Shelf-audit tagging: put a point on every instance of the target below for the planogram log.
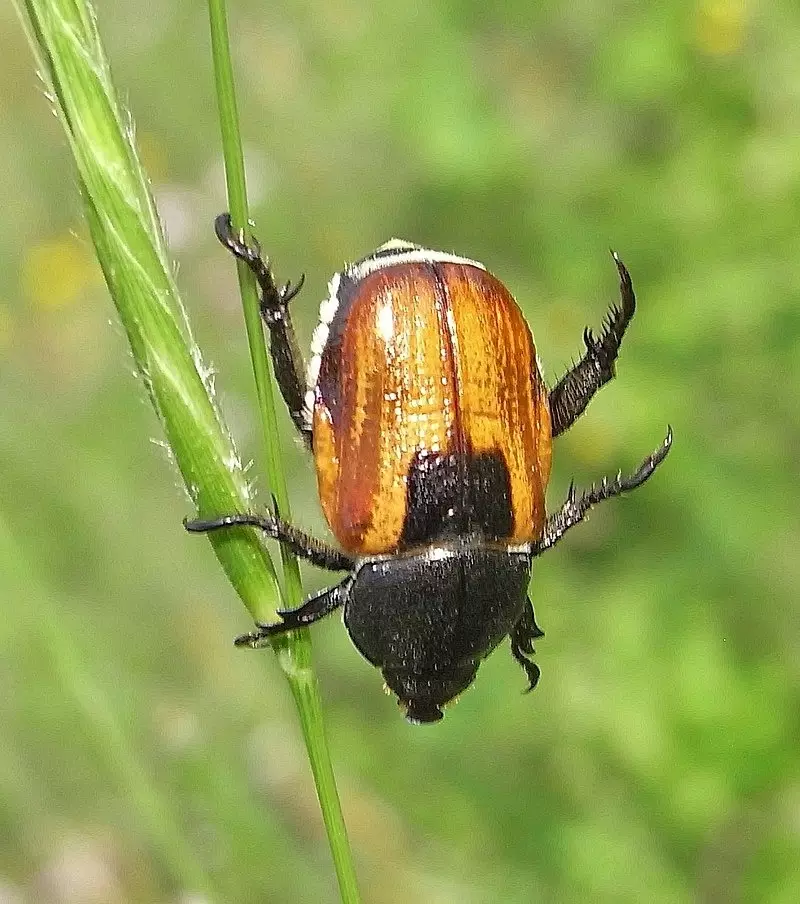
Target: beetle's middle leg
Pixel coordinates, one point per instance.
(287, 360)
(573, 392)
(575, 509)
(319, 553)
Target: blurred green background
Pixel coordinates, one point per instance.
(659, 758)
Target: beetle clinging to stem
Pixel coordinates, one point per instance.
(431, 429)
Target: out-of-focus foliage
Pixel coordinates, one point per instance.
(658, 759)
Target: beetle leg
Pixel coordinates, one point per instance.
(312, 610)
(287, 359)
(574, 510)
(302, 544)
(573, 392)
(523, 634)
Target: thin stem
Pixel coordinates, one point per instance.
(294, 651)
(305, 690)
(240, 217)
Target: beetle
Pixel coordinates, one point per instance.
(431, 429)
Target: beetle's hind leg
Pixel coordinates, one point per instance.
(523, 634)
(573, 392)
(312, 610)
(287, 360)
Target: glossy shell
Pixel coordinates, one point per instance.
(430, 415)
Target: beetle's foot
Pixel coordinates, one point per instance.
(524, 633)
(532, 670)
(274, 298)
(250, 252)
(254, 640)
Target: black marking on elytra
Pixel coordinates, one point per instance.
(451, 494)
